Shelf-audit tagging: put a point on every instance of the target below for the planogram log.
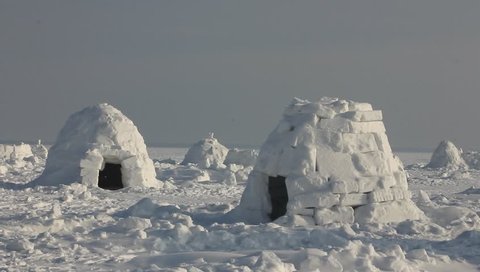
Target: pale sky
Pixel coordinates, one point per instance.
(180, 69)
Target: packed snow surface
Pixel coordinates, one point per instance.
(185, 226)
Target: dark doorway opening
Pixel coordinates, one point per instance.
(110, 177)
(278, 196)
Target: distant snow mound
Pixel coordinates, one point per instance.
(96, 142)
(15, 152)
(206, 153)
(472, 159)
(447, 155)
(328, 162)
(39, 150)
(246, 157)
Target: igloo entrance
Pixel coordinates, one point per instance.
(278, 196)
(110, 178)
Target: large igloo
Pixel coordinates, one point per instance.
(99, 146)
(328, 162)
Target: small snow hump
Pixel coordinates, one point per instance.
(207, 153)
(447, 155)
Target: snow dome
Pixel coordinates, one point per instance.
(99, 146)
(328, 162)
(206, 153)
(447, 155)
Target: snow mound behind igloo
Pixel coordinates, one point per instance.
(329, 162)
(207, 153)
(447, 155)
(15, 152)
(92, 139)
(246, 157)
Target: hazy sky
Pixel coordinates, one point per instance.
(180, 69)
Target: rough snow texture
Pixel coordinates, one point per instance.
(15, 152)
(206, 153)
(187, 228)
(92, 137)
(447, 155)
(335, 156)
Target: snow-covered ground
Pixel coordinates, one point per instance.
(186, 226)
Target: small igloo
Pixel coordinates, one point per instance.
(206, 153)
(447, 155)
(99, 146)
(328, 162)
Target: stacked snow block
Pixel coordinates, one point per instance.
(338, 165)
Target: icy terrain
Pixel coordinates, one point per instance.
(185, 226)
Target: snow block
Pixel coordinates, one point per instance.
(92, 162)
(368, 127)
(382, 142)
(355, 199)
(340, 124)
(357, 106)
(393, 211)
(401, 180)
(297, 185)
(372, 164)
(363, 116)
(312, 200)
(368, 184)
(343, 214)
(333, 140)
(343, 186)
(386, 182)
(359, 143)
(388, 195)
(328, 164)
